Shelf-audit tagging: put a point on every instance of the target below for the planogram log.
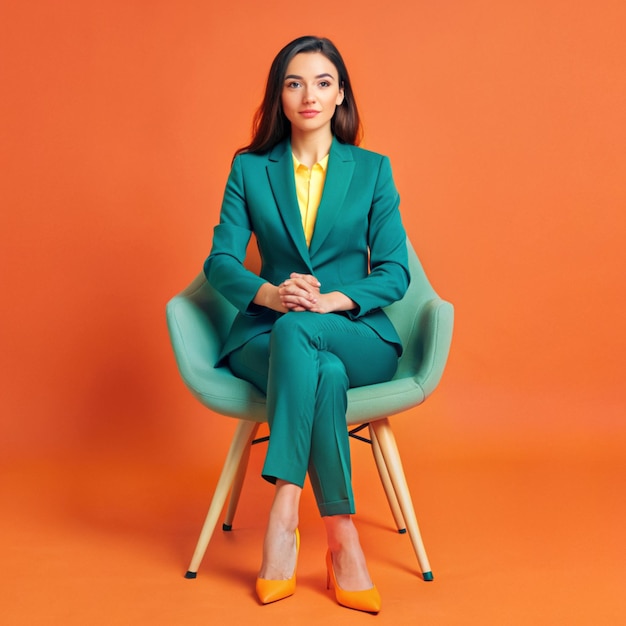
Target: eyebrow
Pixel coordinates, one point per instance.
(302, 78)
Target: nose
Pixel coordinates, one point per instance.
(308, 95)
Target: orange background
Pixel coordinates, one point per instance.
(504, 122)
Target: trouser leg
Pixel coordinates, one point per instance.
(330, 468)
(306, 366)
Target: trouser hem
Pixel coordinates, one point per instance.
(294, 477)
(339, 507)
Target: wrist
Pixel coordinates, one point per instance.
(338, 301)
(267, 296)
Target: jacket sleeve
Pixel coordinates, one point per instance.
(224, 267)
(389, 275)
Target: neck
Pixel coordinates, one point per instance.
(310, 148)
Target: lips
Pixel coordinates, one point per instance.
(309, 113)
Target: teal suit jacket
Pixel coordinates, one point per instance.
(358, 245)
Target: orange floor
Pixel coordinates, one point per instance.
(521, 527)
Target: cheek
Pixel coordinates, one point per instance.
(288, 103)
(333, 99)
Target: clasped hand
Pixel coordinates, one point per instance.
(301, 292)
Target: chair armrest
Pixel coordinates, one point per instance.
(435, 330)
(195, 340)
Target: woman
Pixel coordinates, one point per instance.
(310, 325)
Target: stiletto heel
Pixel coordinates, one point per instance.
(367, 600)
(269, 590)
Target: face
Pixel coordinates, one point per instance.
(311, 91)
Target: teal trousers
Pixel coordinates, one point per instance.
(305, 366)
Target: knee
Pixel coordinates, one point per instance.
(332, 372)
(292, 327)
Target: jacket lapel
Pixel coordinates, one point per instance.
(338, 177)
(281, 177)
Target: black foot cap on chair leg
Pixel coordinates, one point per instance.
(191, 574)
(227, 527)
(428, 576)
(402, 531)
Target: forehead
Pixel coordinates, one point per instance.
(312, 64)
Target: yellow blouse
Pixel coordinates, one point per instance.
(309, 187)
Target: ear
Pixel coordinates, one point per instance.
(340, 96)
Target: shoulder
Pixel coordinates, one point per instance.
(369, 165)
(251, 159)
(249, 165)
(360, 155)
(261, 158)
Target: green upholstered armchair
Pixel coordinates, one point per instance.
(198, 320)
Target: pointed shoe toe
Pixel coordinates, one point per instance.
(269, 591)
(367, 600)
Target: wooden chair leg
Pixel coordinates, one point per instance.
(240, 443)
(389, 450)
(383, 472)
(238, 483)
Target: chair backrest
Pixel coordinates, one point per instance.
(219, 311)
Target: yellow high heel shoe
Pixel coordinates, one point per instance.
(269, 590)
(367, 600)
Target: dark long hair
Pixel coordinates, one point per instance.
(270, 125)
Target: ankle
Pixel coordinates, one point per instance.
(280, 551)
(350, 569)
(341, 533)
(283, 521)
(284, 512)
(347, 554)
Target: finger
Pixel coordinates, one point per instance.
(303, 288)
(297, 302)
(298, 289)
(308, 278)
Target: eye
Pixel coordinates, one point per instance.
(292, 84)
(324, 83)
